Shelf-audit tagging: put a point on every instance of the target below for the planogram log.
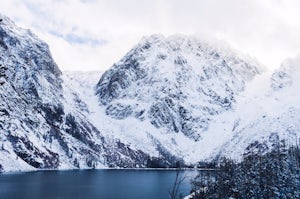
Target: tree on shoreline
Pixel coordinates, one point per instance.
(179, 179)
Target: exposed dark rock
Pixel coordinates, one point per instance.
(53, 114)
(119, 111)
(27, 151)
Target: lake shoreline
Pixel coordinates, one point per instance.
(96, 169)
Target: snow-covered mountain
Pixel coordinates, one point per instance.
(178, 83)
(169, 101)
(38, 127)
(155, 103)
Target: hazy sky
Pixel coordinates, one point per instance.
(93, 34)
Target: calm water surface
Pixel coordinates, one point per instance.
(92, 184)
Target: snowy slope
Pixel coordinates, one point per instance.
(137, 135)
(266, 112)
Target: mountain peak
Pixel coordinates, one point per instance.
(164, 77)
(26, 46)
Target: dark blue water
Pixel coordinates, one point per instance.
(92, 184)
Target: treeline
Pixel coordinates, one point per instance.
(275, 174)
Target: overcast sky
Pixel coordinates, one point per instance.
(93, 34)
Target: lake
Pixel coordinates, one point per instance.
(93, 184)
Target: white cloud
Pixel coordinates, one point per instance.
(268, 30)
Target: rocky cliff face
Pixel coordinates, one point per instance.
(29, 97)
(178, 83)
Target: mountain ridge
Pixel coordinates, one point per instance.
(169, 101)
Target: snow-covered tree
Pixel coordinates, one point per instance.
(275, 174)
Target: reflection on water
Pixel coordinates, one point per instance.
(92, 184)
